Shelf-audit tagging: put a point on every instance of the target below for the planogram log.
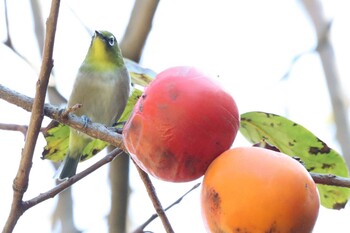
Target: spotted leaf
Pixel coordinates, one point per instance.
(296, 141)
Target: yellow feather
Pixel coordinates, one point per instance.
(99, 57)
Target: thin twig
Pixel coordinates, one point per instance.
(8, 40)
(329, 179)
(154, 216)
(132, 44)
(13, 127)
(153, 196)
(20, 184)
(138, 29)
(327, 58)
(69, 182)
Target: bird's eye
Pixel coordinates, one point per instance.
(111, 40)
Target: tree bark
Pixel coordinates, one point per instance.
(326, 53)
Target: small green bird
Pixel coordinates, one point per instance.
(102, 86)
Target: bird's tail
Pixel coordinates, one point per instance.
(68, 167)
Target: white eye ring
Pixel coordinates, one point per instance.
(111, 41)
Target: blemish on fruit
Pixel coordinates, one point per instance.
(141, 107)
(240, 230)
(173, 92)
(214, 200)
(272, 228)
(190, 164)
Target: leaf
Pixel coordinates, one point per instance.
(295, 140)
(57, 137)
(57, 134)
(130, 105)
(139, 75)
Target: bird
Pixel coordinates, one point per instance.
(102, 88)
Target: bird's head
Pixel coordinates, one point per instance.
(104, 52)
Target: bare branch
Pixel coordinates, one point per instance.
(328, 179)
(326, 52)
(132, 44)
(20, 183)
(38, 25)
(69, 182)
(154, 216)
(95, 130)
(139, 26)
(153, 196)
(8, 40)
(13, 127)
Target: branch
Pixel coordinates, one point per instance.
(329, 179)
(154, 216)
(95, 130)
(139, 26)
(20, 184)
(38, 25)
(153, 196)
(132, 45)
(8, 40)
(326, 53)
(69, 182)
(13, 127)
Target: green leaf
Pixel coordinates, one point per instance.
(130, 105)
(295, 140)
(57, 134)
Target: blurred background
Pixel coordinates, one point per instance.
(286, 57)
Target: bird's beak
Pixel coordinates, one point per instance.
(97, 34)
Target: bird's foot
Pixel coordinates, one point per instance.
(86, 120)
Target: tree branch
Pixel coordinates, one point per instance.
(69, 182)
(132, 45)
(20, 184)
(92, 129)
(329, 179)
(95, 130)
(13, 127)
(326, 53)
(138, 28)
(154, 216)
(153, 196)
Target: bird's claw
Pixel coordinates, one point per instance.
(86, 120)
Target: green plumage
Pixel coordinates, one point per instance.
(102, 86)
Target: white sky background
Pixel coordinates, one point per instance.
(248, 44)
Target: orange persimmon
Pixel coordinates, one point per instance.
(250, 189)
